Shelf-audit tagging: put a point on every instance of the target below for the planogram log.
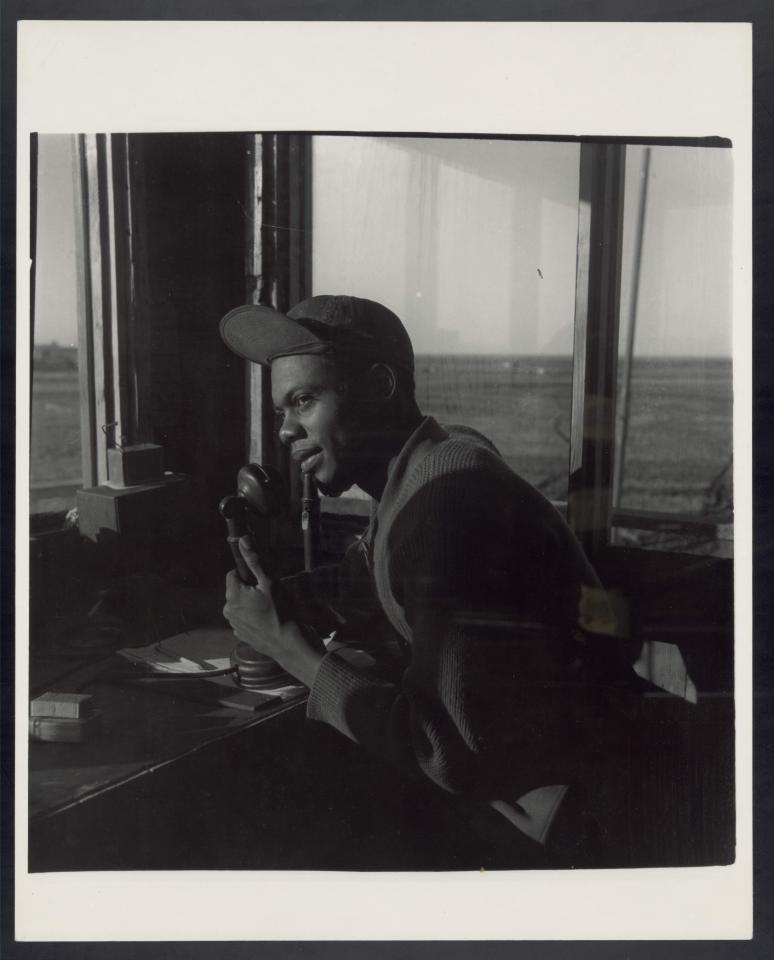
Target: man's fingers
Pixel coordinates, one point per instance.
(251, 559)
(232, 584)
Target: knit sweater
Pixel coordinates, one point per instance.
(477, 577)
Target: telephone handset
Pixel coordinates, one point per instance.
(260, 500)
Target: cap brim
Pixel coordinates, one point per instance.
(261, 333)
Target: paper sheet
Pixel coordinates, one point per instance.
(203, 651)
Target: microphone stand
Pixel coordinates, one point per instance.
(310, 521)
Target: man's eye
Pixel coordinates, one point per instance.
(303, 402)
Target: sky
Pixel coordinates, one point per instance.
(472, 243)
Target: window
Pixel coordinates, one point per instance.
(55, 454)
(85, 397)
(125, 263)
(673, 461)
(473, 244)
(567, 301)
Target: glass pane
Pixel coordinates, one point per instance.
(674, 430)
(55, 462)
(473, 244)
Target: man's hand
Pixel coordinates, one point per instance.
(253, 617)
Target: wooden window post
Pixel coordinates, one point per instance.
(598, 284)
(279, 257)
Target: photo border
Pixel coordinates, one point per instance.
(5, 434)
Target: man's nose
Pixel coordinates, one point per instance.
(290, 430)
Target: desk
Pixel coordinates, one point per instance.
(171, 783)
(142, 729)
(152, 785)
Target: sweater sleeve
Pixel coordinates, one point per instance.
(476, 570)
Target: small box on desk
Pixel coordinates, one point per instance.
(65, 706)
(139, 463)
(63, 717)
(139, 512)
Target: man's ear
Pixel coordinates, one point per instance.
(381, 382)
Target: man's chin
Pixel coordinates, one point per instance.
(330, 489)
(334, 486)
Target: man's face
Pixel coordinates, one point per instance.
(317, 420)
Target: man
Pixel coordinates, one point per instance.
(460, 657)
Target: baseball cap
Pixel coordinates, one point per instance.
(352, 326)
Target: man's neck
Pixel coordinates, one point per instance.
(374, 476)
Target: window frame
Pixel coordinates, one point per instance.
(595, 513)
(129, 384)
(110, 359)
(113, 334)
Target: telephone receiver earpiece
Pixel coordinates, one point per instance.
(261, 497)
(263, 490)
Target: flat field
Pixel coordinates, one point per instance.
(679, 445)
(55, 438)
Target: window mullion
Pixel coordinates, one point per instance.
(279, 262)
(598, 283)
(90, 350)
